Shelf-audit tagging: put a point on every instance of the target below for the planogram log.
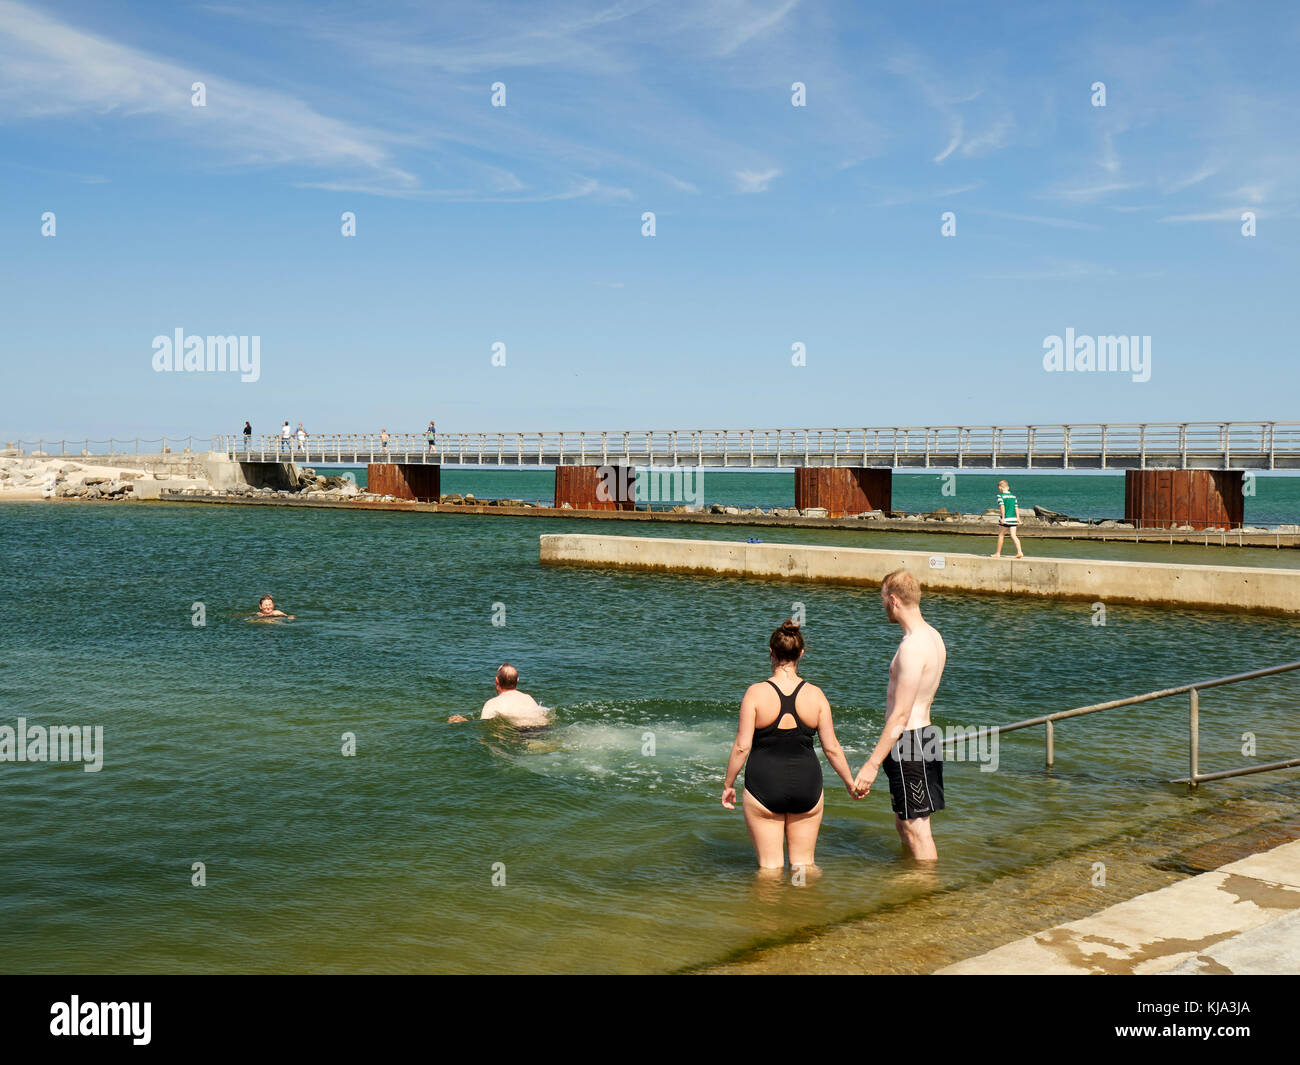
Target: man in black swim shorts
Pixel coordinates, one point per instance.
(915, 771)
(909, 746)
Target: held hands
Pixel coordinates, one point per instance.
(729, 798)
(861, 786)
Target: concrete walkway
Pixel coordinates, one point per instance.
(1089, 579)
(1243, 918)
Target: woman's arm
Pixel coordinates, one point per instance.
(831, 746)
(739, 749)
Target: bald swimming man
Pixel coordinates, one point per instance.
(510, 704)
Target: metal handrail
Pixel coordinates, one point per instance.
(1262, 445)
(1107, 445)
(1194, 776)
(85, 446)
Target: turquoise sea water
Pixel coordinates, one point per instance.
(222, 743)
(1276, 498)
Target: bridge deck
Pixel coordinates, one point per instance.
(1192, 445)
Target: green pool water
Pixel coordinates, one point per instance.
(222, 744)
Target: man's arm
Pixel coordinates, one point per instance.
(907, 683)
(484, 714)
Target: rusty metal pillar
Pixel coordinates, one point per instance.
(405, 480)
(1203, 499)
(843, 489)
(596, 487)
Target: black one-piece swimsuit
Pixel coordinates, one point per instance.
(783, 771)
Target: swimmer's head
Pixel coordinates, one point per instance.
(266, 604)
(786, 644)
(507, 677)
(898, 591)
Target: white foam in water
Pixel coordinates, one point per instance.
(684, 756)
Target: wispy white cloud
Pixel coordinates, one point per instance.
(1038, 220)
(755, 180)
(996, 137)
(1057, 270)
(49, 70)
(587, 188)
(1254, 193)
(1229, 214)
(741, 24)
(1194, 178)
(1090, 193)
(954, 141)
(901, 199)
(1109, 158)
(993, 133)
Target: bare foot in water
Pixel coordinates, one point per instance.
(800, 874)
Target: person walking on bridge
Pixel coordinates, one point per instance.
(431, 436)
(248, 437)
(286, 438)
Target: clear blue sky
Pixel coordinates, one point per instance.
(522, 224)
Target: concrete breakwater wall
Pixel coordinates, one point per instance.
(1273, 591)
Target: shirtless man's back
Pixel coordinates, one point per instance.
(921, 653)
(510, 704)
(910, 748)
(518, 708)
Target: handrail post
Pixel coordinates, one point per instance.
(1194, 736)
(1051, 744)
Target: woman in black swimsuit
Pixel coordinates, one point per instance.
(783, 778)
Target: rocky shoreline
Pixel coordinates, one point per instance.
(315, 488)
(38, 476)
(34, 476)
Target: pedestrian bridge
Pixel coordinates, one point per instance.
(1117, 446)
(1185, 474)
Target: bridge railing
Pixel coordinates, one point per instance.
(1131, 443)
(137, 445)
(1184, 441)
